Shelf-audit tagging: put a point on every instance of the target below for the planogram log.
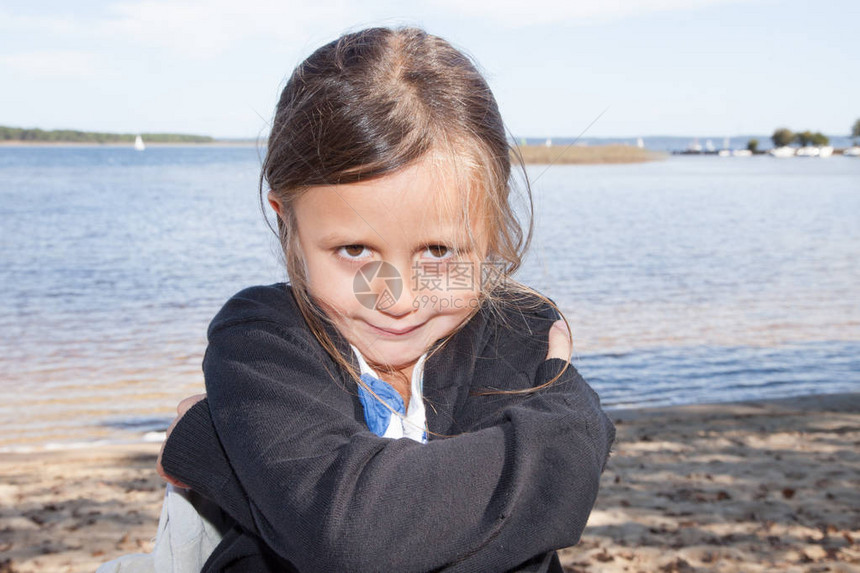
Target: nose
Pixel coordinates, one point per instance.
(394, 291)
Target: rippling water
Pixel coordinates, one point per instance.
(688, 280)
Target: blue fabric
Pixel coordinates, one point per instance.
(376, 414)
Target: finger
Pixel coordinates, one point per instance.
(560, 344)
(187, 403)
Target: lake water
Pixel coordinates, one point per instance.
(688, 280)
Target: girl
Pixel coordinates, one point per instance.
(402, 404)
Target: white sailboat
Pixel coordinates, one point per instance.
(139, 144)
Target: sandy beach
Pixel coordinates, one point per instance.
(586, 154)
(753, 486)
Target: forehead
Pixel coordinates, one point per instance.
(424, 201)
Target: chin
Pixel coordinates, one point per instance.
(396, 358)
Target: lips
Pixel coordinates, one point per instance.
(395, 331)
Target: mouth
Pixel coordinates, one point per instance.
(395, 332)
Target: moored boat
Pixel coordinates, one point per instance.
(807, 151)
(783, 151)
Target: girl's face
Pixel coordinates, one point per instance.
(393, 272)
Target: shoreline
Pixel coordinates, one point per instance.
(84, 144)
(531, 154)
(769, 485)
(155, 435)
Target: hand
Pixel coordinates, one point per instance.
(183, 407)
(560, 344)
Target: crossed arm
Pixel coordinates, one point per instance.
(293, 465)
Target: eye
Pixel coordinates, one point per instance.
(439, 252)
(353, 252)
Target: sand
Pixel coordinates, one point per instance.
(586, 154)
(72, 510)
(755, 486)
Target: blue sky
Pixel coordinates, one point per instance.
(658, 67)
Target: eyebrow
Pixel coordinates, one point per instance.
(339, 238)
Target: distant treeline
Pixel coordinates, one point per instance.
(72, 136)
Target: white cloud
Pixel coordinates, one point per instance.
(11, 22)
(66, 64)
(516, 13)
(206, 29)
(193, 29)
(203, 29)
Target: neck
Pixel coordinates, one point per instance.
(400, 380)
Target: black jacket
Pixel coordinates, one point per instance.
(283, 449)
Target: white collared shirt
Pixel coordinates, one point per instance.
(414, 424)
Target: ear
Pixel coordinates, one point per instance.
(276, 204)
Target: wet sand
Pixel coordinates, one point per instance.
(754, 486)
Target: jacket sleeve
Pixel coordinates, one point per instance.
(485, 408)
(194, 451)
(327, 494)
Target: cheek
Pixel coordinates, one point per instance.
(453, 305)
(468, 302)
(453, 278)
(330, 284)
